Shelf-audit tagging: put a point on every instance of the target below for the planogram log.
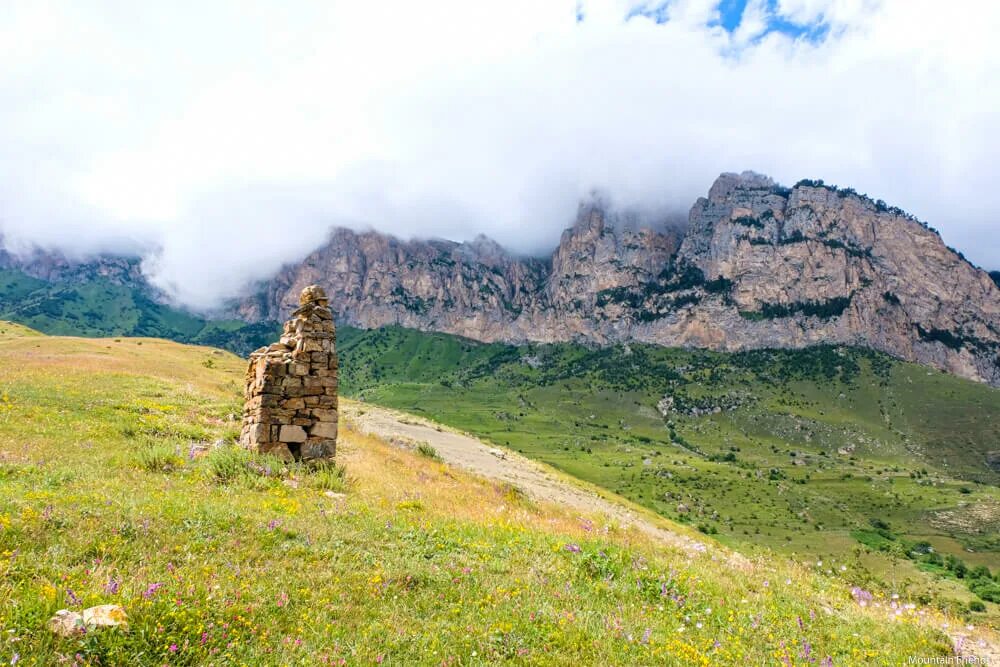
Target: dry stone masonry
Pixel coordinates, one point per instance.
(291, 386)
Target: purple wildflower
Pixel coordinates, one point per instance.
(72, 597)
(827, 662)
(786, 659)
(645, 635)
(111, 588)
(861, 596)
(151, 590)
(272, 524)
(573, 548)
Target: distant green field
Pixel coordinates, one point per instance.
(799, 451)
(101, 308)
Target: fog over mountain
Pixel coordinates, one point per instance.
(225, 142)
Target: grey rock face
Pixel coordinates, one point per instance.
(56, 267)
(759, 266)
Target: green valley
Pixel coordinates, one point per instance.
(840, 455)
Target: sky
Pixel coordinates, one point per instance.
(223, 139)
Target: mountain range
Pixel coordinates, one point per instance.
(758, 265)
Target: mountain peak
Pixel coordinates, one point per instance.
(759, 266)
(728, 182)
(485, 250)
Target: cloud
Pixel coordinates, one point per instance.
(233, 135)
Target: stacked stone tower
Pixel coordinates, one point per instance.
(291, 386)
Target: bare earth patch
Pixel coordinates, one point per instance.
(503, 465)
(979, 516)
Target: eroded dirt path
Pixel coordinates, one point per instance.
(504, 465)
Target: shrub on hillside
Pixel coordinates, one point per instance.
(159, 458)
(986, 590)
(328, 477)
(235, 464)
(425, 449)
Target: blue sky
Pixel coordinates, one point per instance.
(729, 14)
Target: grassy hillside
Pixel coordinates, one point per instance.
(101, 308)
(843, 455)
(106, 496)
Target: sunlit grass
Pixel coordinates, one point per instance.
(119, 484)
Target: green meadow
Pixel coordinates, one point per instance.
(119, 485)
(835, 455)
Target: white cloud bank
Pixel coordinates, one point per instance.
(232, 135)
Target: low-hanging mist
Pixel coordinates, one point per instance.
(226, 144)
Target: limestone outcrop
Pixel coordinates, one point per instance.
(291, 386)
(759, 266)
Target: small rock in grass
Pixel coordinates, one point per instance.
(68, 623)
(105, 615)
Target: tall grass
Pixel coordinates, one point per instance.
(159, 457)
(426, 450)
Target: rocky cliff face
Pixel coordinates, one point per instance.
(815, 264)
(759, 266)
(56, 267)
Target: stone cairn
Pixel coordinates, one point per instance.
(291, 386)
